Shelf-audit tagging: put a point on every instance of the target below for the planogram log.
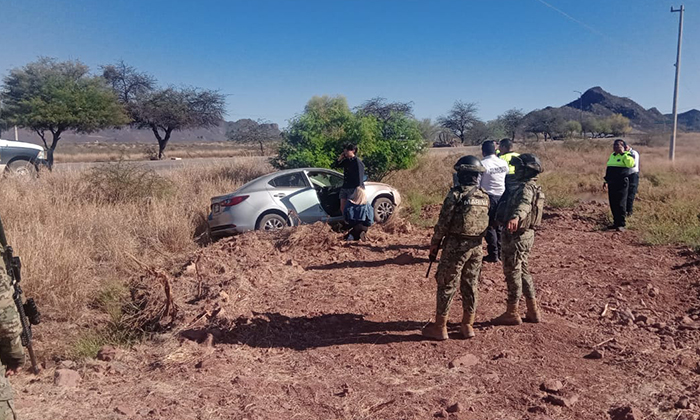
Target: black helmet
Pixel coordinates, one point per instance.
(469, 163)
(528, 160)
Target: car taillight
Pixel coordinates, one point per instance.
(233, 201)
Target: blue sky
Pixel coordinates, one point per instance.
(269, 57)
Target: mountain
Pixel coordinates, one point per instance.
(689, 120)
(133, 135)
(600, 103)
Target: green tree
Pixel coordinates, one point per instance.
(497, 129)
(460, 119)
(55, 97)
(619, 125)
(429, 130)
(572, 127)
(166, 110)
(547, 122)
(511, 121)
(317, 136)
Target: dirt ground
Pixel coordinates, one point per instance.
(302, 325)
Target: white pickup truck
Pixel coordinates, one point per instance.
(20, 158)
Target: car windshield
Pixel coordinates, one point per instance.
(325, 179)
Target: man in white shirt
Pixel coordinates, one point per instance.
(634, 180)
(493, 181)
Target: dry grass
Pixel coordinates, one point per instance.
(81, 234)
(77, 242)
(668, 202)
(112, 152)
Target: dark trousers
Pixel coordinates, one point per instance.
(617, 194)
(632, 192)
(493, 233)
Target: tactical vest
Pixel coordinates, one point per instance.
(506, 204)
(471, 214)
(534, 218)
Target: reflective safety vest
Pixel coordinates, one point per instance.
(623, 160)
(507, 157)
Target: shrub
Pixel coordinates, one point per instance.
(123, 182)
(317, 137)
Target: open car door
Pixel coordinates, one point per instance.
(327, 185)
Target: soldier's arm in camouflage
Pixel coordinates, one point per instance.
(445, 217)
(11, 350)
(522, 203)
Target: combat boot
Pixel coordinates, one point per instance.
(533, 311)
(510, 317)
(467, 327)
(436, 330)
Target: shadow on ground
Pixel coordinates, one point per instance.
(403, 259)
(302, 333)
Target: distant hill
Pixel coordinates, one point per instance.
(132, 135)
(600, 103)
(689, 120)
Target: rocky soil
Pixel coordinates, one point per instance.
(303, 325)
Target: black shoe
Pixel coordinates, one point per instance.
(491, 259)
(620, 229)
(362, 236)
(611, 227)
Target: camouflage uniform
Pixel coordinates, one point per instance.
(11, 351)
(463, 221)
(517, 245)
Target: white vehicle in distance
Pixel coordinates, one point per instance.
(290, 197)
(21, 159)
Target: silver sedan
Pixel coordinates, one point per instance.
(292, 197)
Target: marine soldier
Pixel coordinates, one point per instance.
(463, 221)
(11, 350)
(520, 212)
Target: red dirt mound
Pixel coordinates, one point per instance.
(304, 325)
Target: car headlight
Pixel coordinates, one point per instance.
(41, 155)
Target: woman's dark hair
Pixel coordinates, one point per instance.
(624, 144)
(350, 147)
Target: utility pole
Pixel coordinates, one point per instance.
(580, 107)
(672, 147)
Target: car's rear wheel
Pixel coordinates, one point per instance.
(20, 169)
(383, 209)
(272, 222)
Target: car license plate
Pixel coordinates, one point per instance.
(215, 208)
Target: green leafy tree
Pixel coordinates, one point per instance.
(429, 130)
(460, 119)
(619, 125)
(163, 110)
(171, 109)
(386, 142)
(48, 96)
(573, 127)
(497, 129)
(546, 122)
(511, 120)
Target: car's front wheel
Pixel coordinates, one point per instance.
(272, 222)
(20, 169)
(383, 209)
